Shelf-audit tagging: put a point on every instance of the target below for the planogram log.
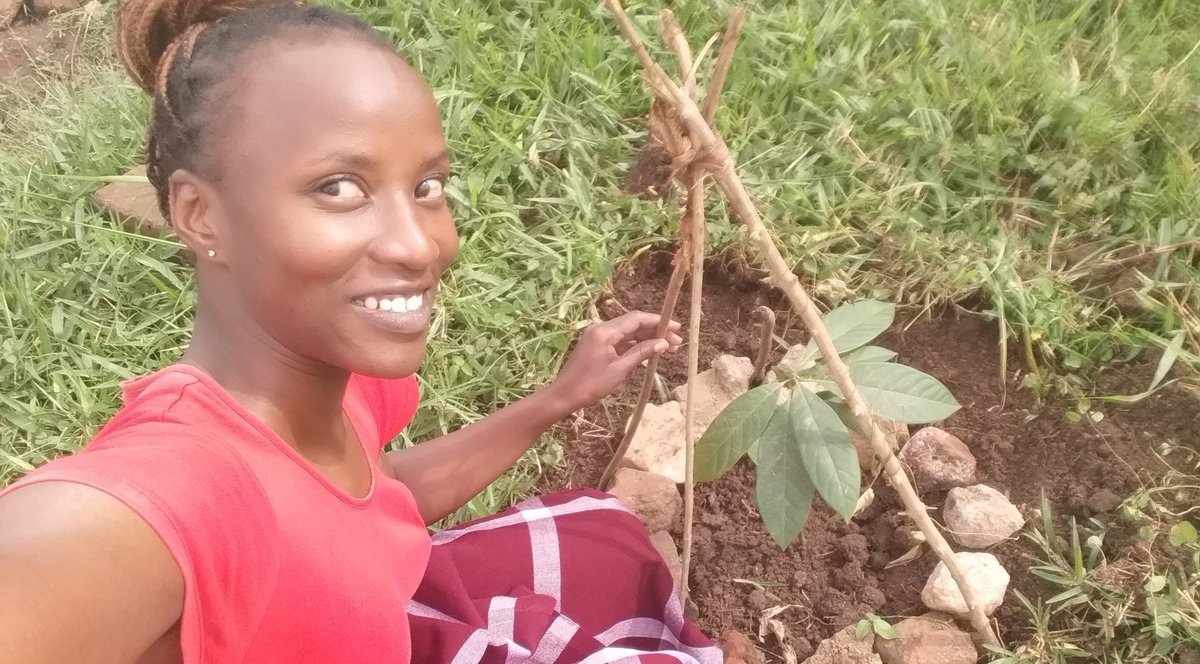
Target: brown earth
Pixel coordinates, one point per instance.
(836, 571)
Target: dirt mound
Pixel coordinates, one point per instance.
(837, 570)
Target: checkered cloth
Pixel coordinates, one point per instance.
(570, 577)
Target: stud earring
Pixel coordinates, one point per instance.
(212, 252)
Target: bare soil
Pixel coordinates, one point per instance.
(836, 572)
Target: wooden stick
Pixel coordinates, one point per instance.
(668, 310)
(782, 277)
(695, 210)
(673, 35)
(733, 31)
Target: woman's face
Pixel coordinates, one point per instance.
(334, 224)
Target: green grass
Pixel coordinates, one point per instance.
(924, 151)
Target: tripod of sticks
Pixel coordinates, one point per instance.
(682, 124)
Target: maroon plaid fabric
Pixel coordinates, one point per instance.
(570, 577)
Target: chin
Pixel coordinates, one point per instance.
(403, 361)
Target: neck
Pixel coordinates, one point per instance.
(299, 399)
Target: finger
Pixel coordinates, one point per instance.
(637, 324)
(640, 353)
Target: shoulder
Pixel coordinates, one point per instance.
(82, 572)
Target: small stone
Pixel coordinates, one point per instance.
(47, 7)
(980, 516)
(799, 578)
(930, 639)
(758, 599)
(134, 203)
(1103, 501)
(658, 445)
(665, 545)
(715, 388)
(873, 597)
(988, 578)
(738, 649)
(845, 648)
(653, 498)
(938, 460)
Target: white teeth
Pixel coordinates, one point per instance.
(399, 304)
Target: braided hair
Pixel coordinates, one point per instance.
(185, 53)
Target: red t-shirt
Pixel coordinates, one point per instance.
(279, 564)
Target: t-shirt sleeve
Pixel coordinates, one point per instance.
(391, 403)
(208, 509)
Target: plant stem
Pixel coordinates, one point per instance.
(668, 310)
(766, 333)
(695, 212)
(725, 173)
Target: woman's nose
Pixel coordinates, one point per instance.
(406, 237)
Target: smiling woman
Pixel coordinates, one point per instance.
(241, 507)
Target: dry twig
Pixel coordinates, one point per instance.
(713, 153)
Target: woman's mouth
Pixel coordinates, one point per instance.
(404, 313)
(397, 303)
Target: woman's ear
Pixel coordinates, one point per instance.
(193, 216)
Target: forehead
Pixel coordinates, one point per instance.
(338, 93)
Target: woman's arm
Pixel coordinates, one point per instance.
(82, 578)
(444, 473)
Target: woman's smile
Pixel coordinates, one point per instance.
(404, 311)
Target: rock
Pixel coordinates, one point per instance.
(134, 203)
(980, 516)
(790, 363)
(653, 498)
(658, 445)
(10, 10)
(930, 639)
(758, 599)
(47, 7)
(988, 578)
(665, 545)
(1123, 292)
(872, 597)
(728, 378)
(896, 434)
(937, 460)
(844, 648)
(738, 649)
(1103, 501)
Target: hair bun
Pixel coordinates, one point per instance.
(150, 31)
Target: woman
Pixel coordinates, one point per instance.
(240, 508)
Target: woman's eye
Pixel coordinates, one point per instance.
(343, 188)
(431, 189)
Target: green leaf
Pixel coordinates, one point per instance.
(862, 629)
(1182, 533)
(734, 430)
(901, 393)
(869, 354)
(826, 450)
(783, 490)
(1156, 584)
(852, 325)
(883, 629)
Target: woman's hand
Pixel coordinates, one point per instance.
(607, 352)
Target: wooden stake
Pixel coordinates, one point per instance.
(703, 138)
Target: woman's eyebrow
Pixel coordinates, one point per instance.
(351, 159)
(440, 158)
